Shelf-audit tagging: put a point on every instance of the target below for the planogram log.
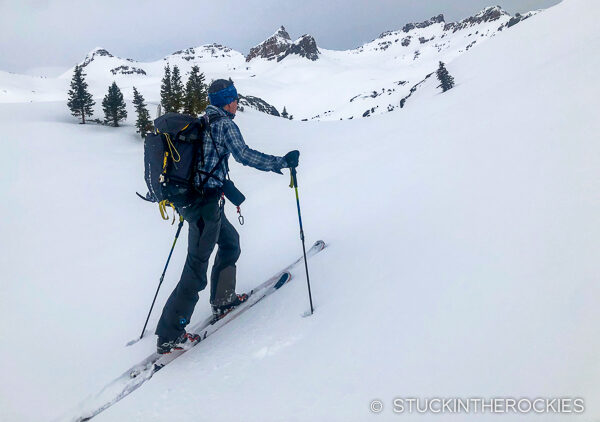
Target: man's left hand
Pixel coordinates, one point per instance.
(291, 158)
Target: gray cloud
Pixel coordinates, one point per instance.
(40, 35)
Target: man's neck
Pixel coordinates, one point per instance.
(228, 113)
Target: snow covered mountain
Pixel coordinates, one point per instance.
(273, 47)
(462, 260)
(312, 82)
(279, 46)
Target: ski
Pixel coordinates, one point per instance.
(137, 375)
(212, 325)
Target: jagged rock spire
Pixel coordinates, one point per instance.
(279, 45)
(272, 47)
(281, 32)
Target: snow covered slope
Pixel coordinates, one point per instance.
(462, 262)
(311, 82)
(15, 88)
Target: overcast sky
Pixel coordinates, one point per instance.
(49, 36)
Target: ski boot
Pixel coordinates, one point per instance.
(220, 311)
(164, 346)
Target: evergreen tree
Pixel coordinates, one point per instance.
(113, 105)
(143, 122)
(284, 113)
(80, 100)
(202, 93)
(446, 80)
(177, 89)
(196, 98)
(166, 91)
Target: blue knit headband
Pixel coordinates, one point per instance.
(223, 97)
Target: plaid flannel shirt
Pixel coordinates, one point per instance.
(228, 140)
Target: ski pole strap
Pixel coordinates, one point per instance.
(162, 206)
(293, 179)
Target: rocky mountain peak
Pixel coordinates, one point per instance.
(96, 52)
(281, 32)
(488, 14)
(436, 19)
(305, 46)
(272, 47)
(279, 45)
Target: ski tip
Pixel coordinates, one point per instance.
(283, 278)
(320, 244)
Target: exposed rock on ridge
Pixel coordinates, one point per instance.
(272, 47)
(489, 14)
(305, 46)
(436, 19)
(258, 104)
(127, 70)
(97, 52)
(213, 50)
(519, 18)
(279, 46)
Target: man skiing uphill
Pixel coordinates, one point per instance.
(208, 225)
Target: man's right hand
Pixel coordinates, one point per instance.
(291, 158)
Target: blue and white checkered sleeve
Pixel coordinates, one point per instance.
(246, 155)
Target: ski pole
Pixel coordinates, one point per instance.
(294, 184)
(162, 277)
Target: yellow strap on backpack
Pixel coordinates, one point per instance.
(162, 206)
(176, 157)
(172, 149)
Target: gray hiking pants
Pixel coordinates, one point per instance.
(208, 227)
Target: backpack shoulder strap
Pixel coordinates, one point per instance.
(210, 120)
